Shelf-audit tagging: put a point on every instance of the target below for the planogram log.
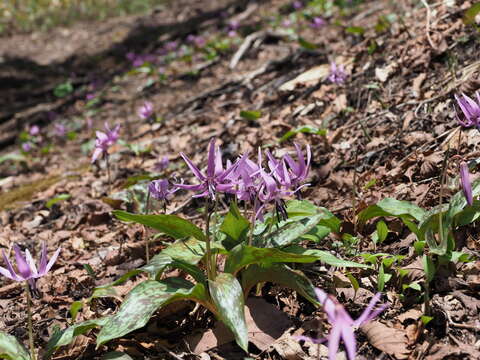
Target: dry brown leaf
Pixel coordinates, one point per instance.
(310, 76)
(262, 331)
(389, 340)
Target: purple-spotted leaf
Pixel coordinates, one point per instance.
(243, 255)
(142, 302)
(66, 336)
(227, 295)
(11, 349)
(171, 225)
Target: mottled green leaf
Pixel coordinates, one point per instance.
(235, 226)
(306, 129)
(325, 257)
(227, 296)
(251, 114)
(116, 355)
(279, 274)
(287, 232)
(171, 225)
(66, 336)
(391, 207)
(243, 255)
(142, 302)
(11, 348)
(57, 199)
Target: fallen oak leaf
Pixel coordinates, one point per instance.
(389, 340)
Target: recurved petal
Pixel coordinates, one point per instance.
(211, 158)
(334, 341)
(96, 154)
(13, 274)
(7, 273)
(22, 264)
(350, 342)
(193, 168)
(367, 314)
(31, 263)
(52, 261)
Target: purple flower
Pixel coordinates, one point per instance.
(297, 5)
(26, 266)
(337, 74)
(214, 179)
(470, 110)
(34, 130)
(162, 164)
(343, 326)
(90, 96)
(232, 28)
(318, 22)
(26, 146)
(299, 170)
(60, 130)
(197, 41)
(159, 189)
(105, 140)
(146, 110)
(171, 46)
(466, 183)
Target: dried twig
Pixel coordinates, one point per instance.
(427, 25)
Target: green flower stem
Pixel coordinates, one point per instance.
(208, 255)
(252, 221)
(30, 327)
(107, 165)
(147, 238)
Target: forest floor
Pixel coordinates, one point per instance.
(387, 131)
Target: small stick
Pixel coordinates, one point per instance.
(29, 320)
(427, 25)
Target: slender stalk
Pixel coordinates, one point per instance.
(147, 238)
(30, 327)
(208, 256)
(252, 221)
(107, 164)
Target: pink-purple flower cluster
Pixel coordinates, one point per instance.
(343, 326)
(105, 140)
(337, 73)
(470, 110)
(250, 181)
(145, 111)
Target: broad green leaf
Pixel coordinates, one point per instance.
(171, 225)
(57, 199)
(356, 30)
(12, 157)
(382, 231)
(251, 114)
(279, 274)
(66, 336)
(11, 348)
(391, 207)
(428, 267)
(306, 44)
(181, 254)
(228, 298)
(287, 232)
(306, 129)
(116, 355)
(235, 226)
(75, 308)
(142, 302)
(324, 257)
(304, 208)
(471, 13)
(381, 278)
(161, 261)
(243, 255)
